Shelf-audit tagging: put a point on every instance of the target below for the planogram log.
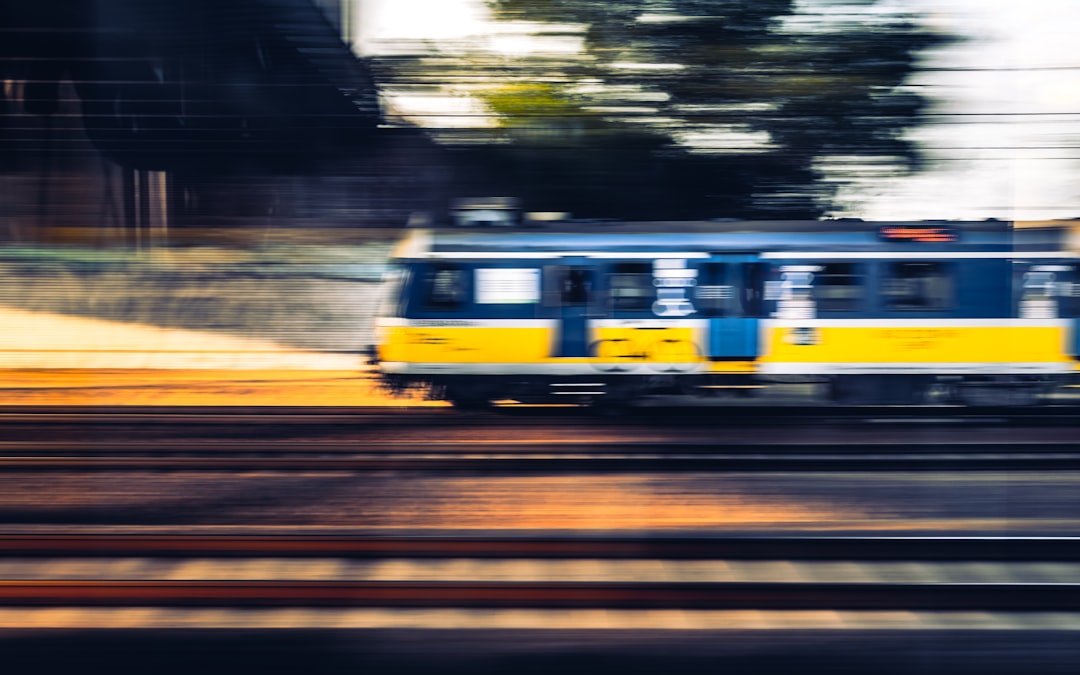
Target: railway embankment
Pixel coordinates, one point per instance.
(284, 324)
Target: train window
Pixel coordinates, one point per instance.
(839, 287)
(507, 286)
(730, 289)
(574, 285)
(1069, 299)
(632, 287)
(1047, 291)
(445, 287)
(917, 286)
(715, 295)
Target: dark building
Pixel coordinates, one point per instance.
(133, 115)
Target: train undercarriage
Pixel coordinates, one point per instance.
(479, 392)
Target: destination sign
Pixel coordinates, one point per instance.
(936, 234)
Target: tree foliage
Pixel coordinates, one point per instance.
(690, 108)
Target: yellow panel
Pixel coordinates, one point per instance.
(534, 345)
(837, 344)
(660, 345)
(466, 345)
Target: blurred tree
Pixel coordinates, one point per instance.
(683, 108)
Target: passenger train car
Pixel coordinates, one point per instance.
(903, 312)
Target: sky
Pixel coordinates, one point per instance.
(1005, 135)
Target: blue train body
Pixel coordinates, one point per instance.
(877, 312)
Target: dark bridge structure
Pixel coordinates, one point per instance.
(151, 111)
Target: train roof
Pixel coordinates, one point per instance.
(731, 237)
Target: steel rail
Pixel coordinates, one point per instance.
(749, 415)
(547, 546)
(549, 595)
(762, 460)
(547, 447)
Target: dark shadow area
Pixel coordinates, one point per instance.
(536, 652)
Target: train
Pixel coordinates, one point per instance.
(606, 314)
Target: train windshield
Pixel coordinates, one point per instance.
(393, 283)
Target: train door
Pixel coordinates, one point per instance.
(571, 287)
(729, 295)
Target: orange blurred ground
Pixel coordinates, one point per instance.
(50, 359)
(136, 387)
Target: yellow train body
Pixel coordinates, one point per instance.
(788, 348)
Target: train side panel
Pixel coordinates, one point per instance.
(936, 346)
(941, 314)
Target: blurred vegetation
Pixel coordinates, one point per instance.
(675, 108)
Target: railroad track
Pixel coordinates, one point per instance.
(531, 456)
(924, 594)
(705, 416)
(609, 547)
(548, 595)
